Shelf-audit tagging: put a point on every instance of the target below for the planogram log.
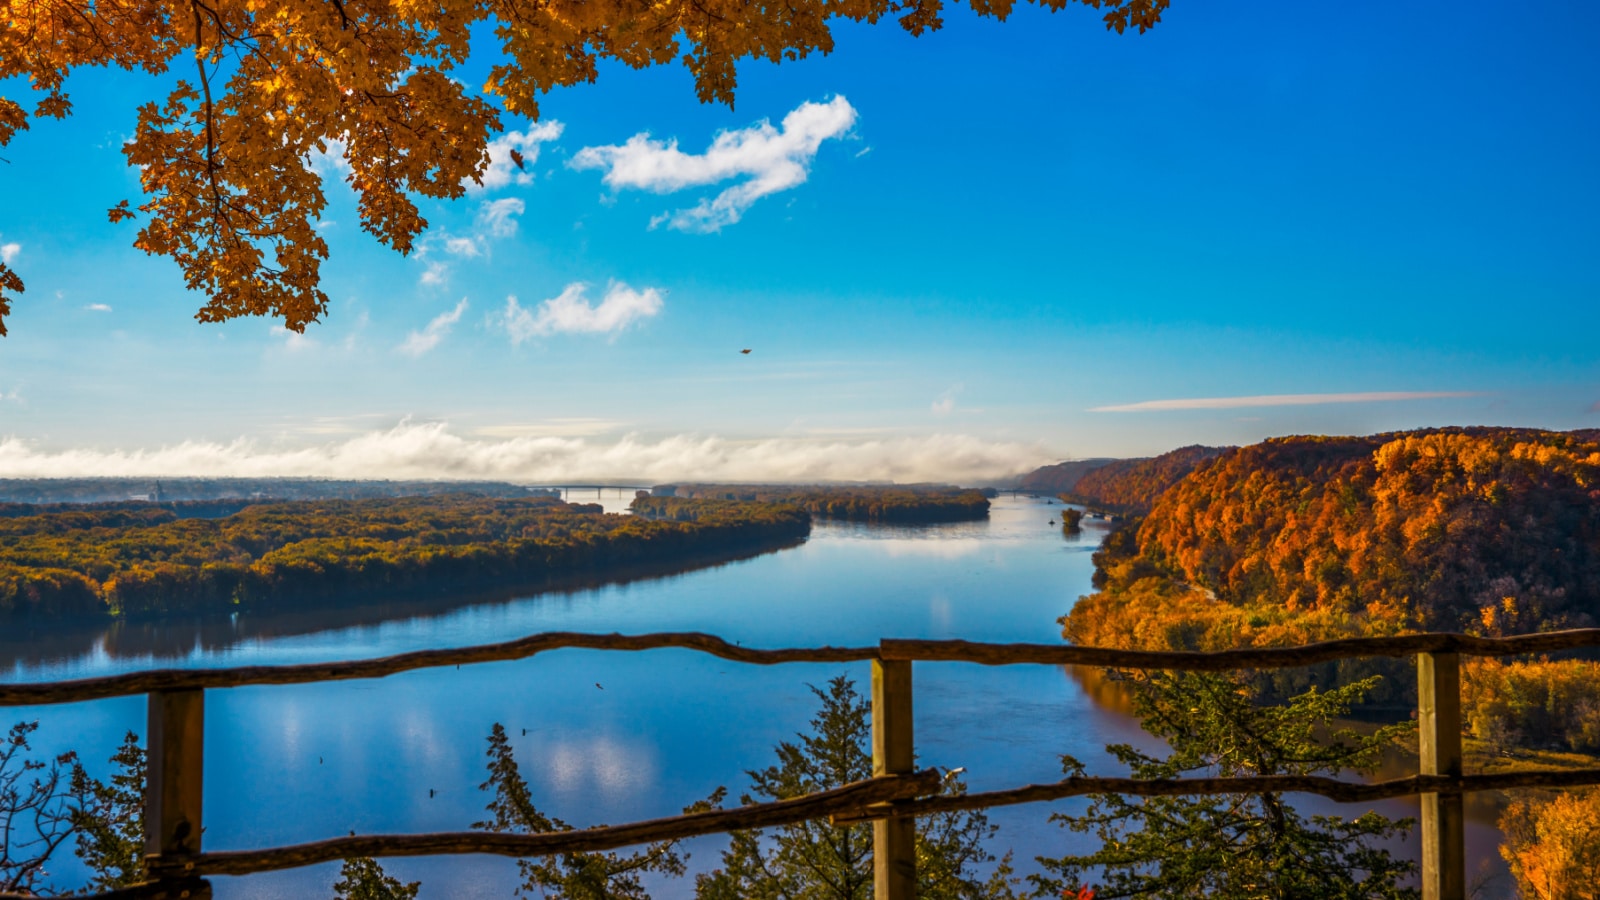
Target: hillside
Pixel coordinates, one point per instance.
(1062, 476)
(1482, 530)
(1133, 485)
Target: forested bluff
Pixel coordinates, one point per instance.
(1487, 531)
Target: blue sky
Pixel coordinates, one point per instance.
(1021, 225)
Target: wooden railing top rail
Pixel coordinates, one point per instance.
(875, 798)
(153, 680)
(1332, 788)
(873, 791)
(1226, 660)
(134, 683)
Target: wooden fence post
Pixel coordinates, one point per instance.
(172, 824)
(1444, 857)
(894, 839)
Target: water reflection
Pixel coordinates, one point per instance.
(666, 727)
(45, 650)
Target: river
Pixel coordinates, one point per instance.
(606, 737)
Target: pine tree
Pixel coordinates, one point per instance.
(569, 876)
(819, 861)
(1239, 846)
(361, 878)
(110, 819)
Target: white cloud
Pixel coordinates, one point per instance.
(1280, 400)
(8, 252)
(294, 341)
(571, 312)
(946, 402)
(499, 217)
(502, 170)
(431, 451)
(460, 246)
(496, 219)
(332, 162)
(419, 342)
(434, 274)
(769, 159)
(15, 396)
(98, 307)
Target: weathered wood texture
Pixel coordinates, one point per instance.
(610, 837)
(1444, 849)
(1332, 788)
(177, 679)
(954, 651)
(1227, 660)
(894, 839)
(175, 774)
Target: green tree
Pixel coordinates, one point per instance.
(110, 819)
(1236, 846)
(819, 861)
(362, 878)
(569, 876)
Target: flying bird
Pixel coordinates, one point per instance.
(745, 351)
(597, 684)
(516, 157)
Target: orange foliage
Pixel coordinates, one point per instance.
(1460, 528)
(1486, 530)
(1533, 704)
(1132, 485)
(1553, 846)
(256, 88)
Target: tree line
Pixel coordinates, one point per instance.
(903, 504)
(135, 560)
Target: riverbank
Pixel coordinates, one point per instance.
(896, 504)
(99, 564)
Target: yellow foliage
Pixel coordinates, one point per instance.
(261, 85)
(1553, 846)
(1532, 704)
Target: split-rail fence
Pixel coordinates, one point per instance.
(176, 866)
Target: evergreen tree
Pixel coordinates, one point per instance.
(569, 876)
(110, 819)
(361, 878)
(819, 861)
(1243, 846)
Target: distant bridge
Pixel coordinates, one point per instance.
(568, 490)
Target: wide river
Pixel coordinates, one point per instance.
(607, 737)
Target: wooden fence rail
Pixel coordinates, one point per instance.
(891, 799)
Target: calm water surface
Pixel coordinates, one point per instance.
(613, 737)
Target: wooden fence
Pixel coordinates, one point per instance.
(176, 864)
